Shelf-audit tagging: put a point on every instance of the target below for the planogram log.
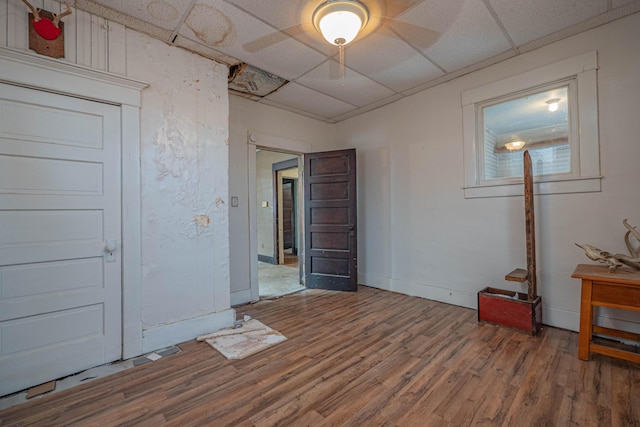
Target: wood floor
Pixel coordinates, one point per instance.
(362, 359)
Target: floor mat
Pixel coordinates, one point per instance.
(239, 342)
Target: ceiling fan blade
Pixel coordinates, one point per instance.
(419, 37)
(273, 38)
(393, 8)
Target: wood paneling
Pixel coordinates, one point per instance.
(88, 40)
(366, 358)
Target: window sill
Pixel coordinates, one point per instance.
(576, 185)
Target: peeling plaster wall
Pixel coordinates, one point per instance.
(184, 127)
(248, 116)
(184, 289)
(418, 234)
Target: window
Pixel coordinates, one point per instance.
(552, 113)
(537, 121)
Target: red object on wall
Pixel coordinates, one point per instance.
(52, 48)
(45, 29)
(510, 309)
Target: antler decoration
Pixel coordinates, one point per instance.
(617, 260)
(596, 254)
(34, 11)
(58, 17)
(46, 28)
(634, 251)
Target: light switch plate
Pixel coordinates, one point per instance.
(234, 201)
(265, 204)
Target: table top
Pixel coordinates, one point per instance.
(601, 273)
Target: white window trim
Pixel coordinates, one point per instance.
(587, 177)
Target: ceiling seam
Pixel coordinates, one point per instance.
(500, 24)
(424, 55)
(180, 23)
(329, 96)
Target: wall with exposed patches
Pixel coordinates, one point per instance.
(185, 230)
(420, 236)
(184, 284)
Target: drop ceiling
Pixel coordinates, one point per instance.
(408, 45)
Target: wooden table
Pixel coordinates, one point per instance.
(601, 288)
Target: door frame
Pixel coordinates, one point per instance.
(275, 143)
(25, 69)
(278, 167)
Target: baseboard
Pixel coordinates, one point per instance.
(560, 318)
(240, 297)
(175, 333)
(267, 259)
(555, 317)
(422, 290)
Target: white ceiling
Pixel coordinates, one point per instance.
(407, 46)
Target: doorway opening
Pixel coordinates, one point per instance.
(279, 225)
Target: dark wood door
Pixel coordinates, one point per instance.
(330, 220)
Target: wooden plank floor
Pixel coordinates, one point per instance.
(362, 359)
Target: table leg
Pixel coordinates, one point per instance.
(586, 320)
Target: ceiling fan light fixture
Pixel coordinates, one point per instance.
(340, 21)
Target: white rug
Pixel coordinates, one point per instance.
(238, 343)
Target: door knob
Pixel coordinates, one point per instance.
(110, 248)
(111, 245)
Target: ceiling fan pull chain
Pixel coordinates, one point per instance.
(341, 49)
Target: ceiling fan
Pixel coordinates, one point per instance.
(342, 21)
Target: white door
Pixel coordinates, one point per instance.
(60, 293)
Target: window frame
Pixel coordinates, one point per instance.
(584, 137)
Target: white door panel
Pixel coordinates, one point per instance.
(25, 175)
(60, 301)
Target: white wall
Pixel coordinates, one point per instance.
(417, 233)
(184, 288)
(282, 128)
(185, 234)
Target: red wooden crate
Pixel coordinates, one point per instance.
(511, 309)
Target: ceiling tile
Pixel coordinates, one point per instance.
(287, 14)
(466, 32)
(385, 58)
(203, 50)
(297, 96)
(407, 46)
(226, 29)
(165, 14)
(293, 17)
(357, 89)
(527, 20)
(369, 107)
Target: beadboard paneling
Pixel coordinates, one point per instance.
(90, 41)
